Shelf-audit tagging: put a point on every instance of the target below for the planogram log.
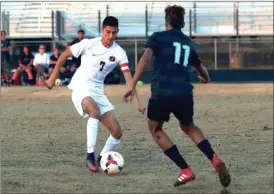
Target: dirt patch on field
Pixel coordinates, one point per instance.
(43, 142)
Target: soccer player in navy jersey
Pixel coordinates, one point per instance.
(172, 92)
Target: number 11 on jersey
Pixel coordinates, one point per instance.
(178, 53)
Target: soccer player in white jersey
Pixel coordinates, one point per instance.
(99, 56)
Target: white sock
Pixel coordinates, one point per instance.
(92, 129)
(110, 145)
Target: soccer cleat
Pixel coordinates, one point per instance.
(222, 171)
(92, 167)
(186, 175)
(91, 164)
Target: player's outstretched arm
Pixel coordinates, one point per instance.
(55, 74)
(128, 79)
(142, 65)
(203, 74)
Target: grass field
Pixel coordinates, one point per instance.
(43, 142)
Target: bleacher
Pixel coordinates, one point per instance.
(256, 18)
(33, 19)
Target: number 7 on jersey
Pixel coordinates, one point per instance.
(102, 63)
(178, 53)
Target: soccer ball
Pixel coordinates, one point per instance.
(112, 162)
(58, 82)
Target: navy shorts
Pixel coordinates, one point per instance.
(181, 106)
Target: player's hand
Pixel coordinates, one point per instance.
(141, 109)
(129, 95)
(202, 80)
(49, 83)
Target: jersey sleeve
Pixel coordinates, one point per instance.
(152, 42)
(79, 48)
(124, 62)
(52, 58)
(194, 58)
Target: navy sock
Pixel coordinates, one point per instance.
(99, 158)
(205, 147)
(174, 154)
(91, 157)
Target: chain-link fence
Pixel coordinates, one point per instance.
(214, 53)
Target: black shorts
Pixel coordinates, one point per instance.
(181, 106)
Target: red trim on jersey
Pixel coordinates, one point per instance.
(124, 65)
(126, 70)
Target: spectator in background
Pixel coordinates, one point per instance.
(53, 59)
(81, 36)
(41, 63)
(70, 63)
(5, 57)
(25, 65)
(69, 68)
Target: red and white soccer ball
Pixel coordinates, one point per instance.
(112, 162)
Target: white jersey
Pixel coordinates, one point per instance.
(97, 62)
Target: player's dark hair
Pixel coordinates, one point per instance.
(3, 31)
(111, 21)
(175, 16)
(81, 31)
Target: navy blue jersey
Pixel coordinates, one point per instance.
(174, 55)
(5, 55)
(25, 59)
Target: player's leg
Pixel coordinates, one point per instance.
(158, 113)
(29, 73)
(91, 108)
(204, 145)
(109, 120)
(6, 72)
(185, 118)
(16, 74)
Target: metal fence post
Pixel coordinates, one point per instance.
(58, 24)
(237, 27)
(146, 18)
(52, 30)
(136, 53)
(99, 21)
(230, 53)
(215, 54)
(194, 18)
(190, 22)
(107, 11)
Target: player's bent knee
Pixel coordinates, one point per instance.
(187, 127)
(117, 134)
(94, 114)
(154, 129)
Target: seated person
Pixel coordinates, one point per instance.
(41, 62)
(69, 68)
(53, 59)
(25, 65)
